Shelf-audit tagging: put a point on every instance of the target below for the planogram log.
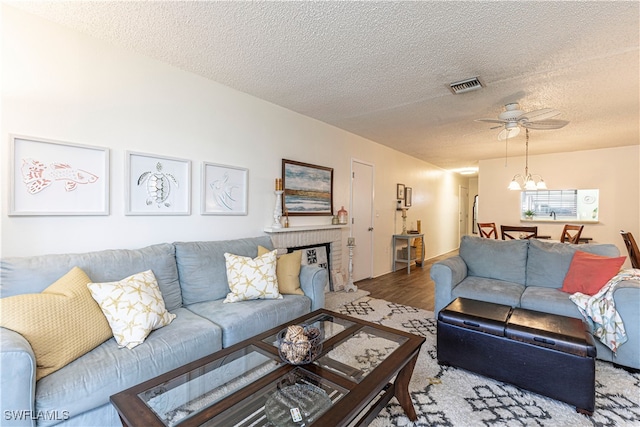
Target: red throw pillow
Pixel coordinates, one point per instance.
(588, 273)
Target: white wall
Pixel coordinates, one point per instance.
(615, 172)
(59, 84)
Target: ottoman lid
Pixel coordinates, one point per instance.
(561, 333)
(477, 315)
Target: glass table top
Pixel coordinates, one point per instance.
(260, 396)
(183, 396)
(329, 325)
(295, 399)
(359, 354)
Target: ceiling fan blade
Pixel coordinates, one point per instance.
(508, 133)
(537, 115)
(491, 121)
(546, 124)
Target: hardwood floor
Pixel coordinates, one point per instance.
(415, 289)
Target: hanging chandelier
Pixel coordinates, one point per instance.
(529, 181)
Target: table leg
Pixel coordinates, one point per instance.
(402, 388)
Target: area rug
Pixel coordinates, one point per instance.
(340, 298)
(447, 396)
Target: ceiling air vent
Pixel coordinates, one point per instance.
(466, 85)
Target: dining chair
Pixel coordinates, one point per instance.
(518, 232)
(632, 248)
(488, 229)
(571, 233)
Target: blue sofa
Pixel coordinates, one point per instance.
(529, 274)
(192, 279)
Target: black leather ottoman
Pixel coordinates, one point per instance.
(548, 354)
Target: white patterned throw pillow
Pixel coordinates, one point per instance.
(133, 307)
(251, 279)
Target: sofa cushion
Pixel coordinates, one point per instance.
(202, 269)
(489, 290)
(90, 380)
(252, 278)
(61, 323)
(288, 271)
(33, 274)
(245, 319)
(588, 273)
(495, 259)
(133, 307)
(549, 300)
(548, 262)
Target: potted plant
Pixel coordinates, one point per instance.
(529, 214)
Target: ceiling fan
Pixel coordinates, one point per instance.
(513, 118)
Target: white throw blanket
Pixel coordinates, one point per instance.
(600, 310)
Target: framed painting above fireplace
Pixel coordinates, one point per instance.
(308, 189)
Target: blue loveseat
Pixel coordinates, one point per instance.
(529, 274)
(192, 279)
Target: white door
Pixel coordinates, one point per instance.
(362, 175)
(463, 211)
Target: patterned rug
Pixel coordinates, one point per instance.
(340, 298)
(447, 396)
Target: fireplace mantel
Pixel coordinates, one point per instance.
(303, 228)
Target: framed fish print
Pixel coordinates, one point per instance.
(308, 189)
(157, 185)
(58, 178)
(224, 190)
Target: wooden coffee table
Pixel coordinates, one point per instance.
(249, 384)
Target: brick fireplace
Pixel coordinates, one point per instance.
(307, 236)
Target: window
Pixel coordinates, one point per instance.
(560, 205)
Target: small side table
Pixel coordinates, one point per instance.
(409, 259)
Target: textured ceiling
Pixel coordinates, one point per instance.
(382, 69)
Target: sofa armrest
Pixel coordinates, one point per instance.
(313, 281)
(17, 380)
(627, 299)
(447, 274)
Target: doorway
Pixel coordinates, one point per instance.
(463, 211)
(362, 193)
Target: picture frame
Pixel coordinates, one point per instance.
(408, 195)
(400, 191)
(224, 190)
(49, 177)
(308, 189)
(157, 185)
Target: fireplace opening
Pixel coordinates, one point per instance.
(319, 255)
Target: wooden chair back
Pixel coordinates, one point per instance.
(632, 248)
(571, 233)
(488, 230)
(518, 232)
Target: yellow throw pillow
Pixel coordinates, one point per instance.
(287, 271)
(251, 279)
(61, 323)
(133, 306)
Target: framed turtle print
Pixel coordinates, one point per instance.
(58, 178)
(157, 185)
(224, 190)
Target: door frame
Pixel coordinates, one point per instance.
(463, 208)
(372, 213)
